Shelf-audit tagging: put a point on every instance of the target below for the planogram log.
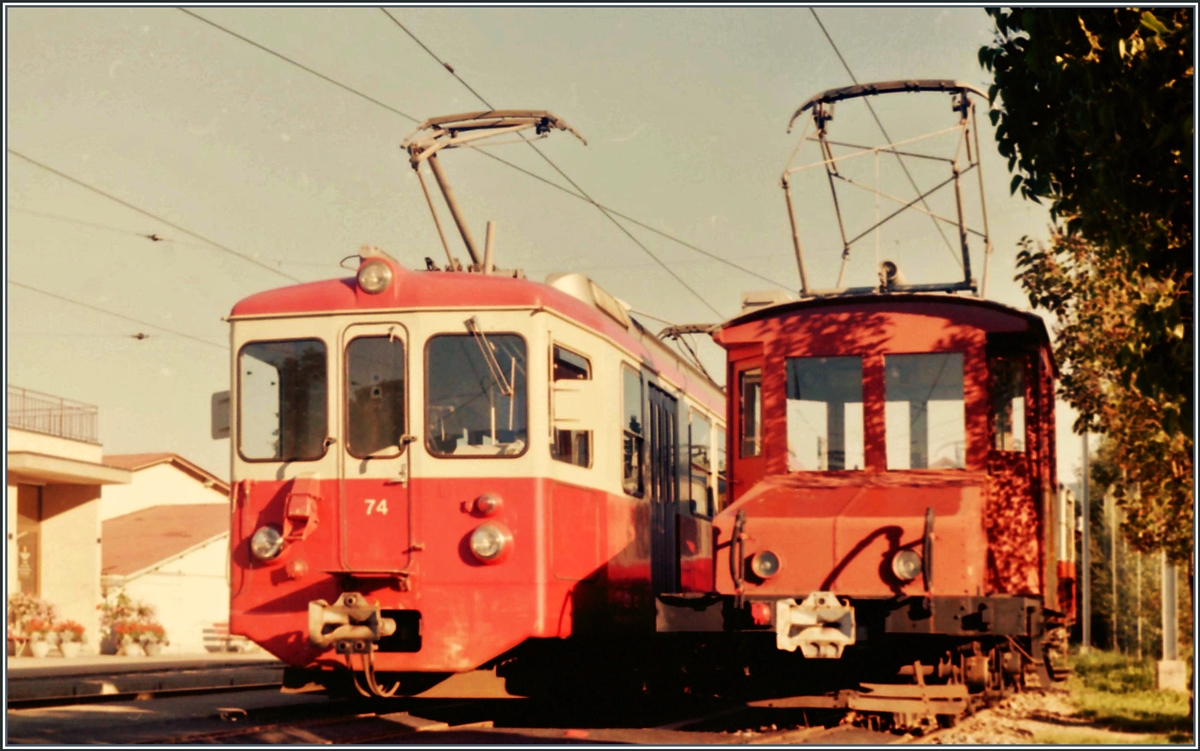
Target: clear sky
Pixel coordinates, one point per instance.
(685, 111)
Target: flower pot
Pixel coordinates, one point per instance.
(153, 649)
(132, 650)
(40, 648)
(70, 649)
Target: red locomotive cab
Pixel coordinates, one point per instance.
(892, 454)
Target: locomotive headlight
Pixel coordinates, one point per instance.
(375, 276)
(764, 564)
(906, 565)
(491, 542)
(267, 543)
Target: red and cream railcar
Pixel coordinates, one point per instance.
(893, 486)
(431, 469)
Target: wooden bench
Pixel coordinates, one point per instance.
(218, 639)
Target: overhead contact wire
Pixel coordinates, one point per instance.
(564, 175)
(117, 315)
(155, 217)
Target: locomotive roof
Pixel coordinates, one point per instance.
(437, 290)
(1034, 322)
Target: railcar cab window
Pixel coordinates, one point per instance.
(1008, 403)
(700, 463)
(570, 446)
(824, 413)
(750, 397)
(633, 430)
(282, 393)
(924, 412)
(374, 396)
(476, 395)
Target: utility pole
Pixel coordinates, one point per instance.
(1086, 562)
(1138, 557)
(1171, 674)
(1110, 508)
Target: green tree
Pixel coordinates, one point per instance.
(1093, 109)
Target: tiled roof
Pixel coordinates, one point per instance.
(134, 462)
(137, 541)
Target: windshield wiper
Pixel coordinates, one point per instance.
(489, 356)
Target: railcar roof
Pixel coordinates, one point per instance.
(439, 290)
(1035, 323)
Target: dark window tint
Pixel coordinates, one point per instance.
(750, 398)
(374, 396)
(1008, 403)
(633, 433)
(476, 395)
(283, 400)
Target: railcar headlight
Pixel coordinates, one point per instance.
(375, 276)
(764, 564)
(906, 565)
(488, 504)
(267, 543)
(491, 542)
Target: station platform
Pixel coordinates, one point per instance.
(48, 678)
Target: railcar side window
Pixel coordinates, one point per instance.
(1008, 403)
(633, 430)
(722, 473)
(475, 395)
(700, 463)
(374, 396)
(925, 415)
(824, 413)
(570, 446)
(282, 392)
(750, 395)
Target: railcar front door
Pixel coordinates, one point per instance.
(375, 534)
(664, 433)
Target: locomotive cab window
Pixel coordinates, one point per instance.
(282, 407)
(925, 415)
(633, 431)
(750, 398)
(824, 413)
(570, 445)
(475, 395)
(1008, 403)
(374, 396)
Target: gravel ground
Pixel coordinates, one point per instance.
(1029, 718)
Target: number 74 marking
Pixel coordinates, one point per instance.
(378, 507)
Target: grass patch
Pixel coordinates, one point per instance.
(1117, 692)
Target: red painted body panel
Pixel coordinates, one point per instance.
(838, 530)
(577, 554)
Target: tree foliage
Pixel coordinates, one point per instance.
(1093, 109)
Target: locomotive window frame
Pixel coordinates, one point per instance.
(963, 360)
(429, 448)
(241, 394)
(852, 422)
(750, 447)
(1014, 363)
(568, 446)
(637, 441)
(400, 446)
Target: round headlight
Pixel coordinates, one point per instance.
(267, 543)
(375, 276)
(764, 564)
(490, 543)
(906, 565)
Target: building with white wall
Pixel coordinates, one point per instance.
(55, 473)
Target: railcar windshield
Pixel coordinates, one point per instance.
(475, 391)
(824, 413)
(374, 396)
(282, 400)
(925, 415)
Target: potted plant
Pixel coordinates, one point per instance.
(70, 637)
(40, 633)
(120, 619)
(126, 635)
(153, 637)
(23, 608)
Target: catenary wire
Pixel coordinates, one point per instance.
(172, 225)
(152, 236)
(501, 160)
(883, 130)
(566, 177)
(116, 315)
